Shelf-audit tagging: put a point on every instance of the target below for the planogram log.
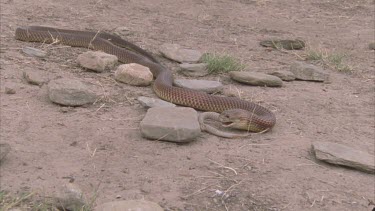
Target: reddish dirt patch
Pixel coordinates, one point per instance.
(101, 147)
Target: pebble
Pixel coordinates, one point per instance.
(371, 46)
(149, 102)
(343, 155)
(178, 124)
(70, 92)
(97, 61)
(129, 205)
(34, 52)
(284, 75)
(4, 150)
(10, 88)
(194, 70)
(179, 54)
(285, 44)
(34, 78)
(134, 74)
(256, 79)
(200, 85)
(308, 72)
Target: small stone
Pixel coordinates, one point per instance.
(285, 44)
(149, 102)
(4, 150)
(129, 205)
(122, 31)
(284, 75)
(70, 92)
(70, 198)
(256, 79)
(308, 72)
(97, 61)
(10, 88)
(343, 155)
(34, 78)
(371, 46)
(179, 124)
(200, 85)
(194, 70)
(176, 53)
(134, 74)
(34, 52)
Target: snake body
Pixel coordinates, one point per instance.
(261, 118)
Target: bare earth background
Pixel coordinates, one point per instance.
(101, 147)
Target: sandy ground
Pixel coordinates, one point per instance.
(101, 148)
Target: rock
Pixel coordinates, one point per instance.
(129, 205)
(70, 198)
(122, 31)
(285, 44)
(10, 88)
(371, 46)
(344, 155)
(70, 92)
(176, 53)
(97, 61)
(284, 75)
(149, 102)
(194, 70)
(200, 85)
(179, 124)
(308, 72)
(34, 78)
(256, 79)
(34, 52)
(4, 150)
(134, 74)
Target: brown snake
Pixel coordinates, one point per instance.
(258, 118)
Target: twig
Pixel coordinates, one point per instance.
(226, 167)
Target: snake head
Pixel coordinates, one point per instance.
(235, 118)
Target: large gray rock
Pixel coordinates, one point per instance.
(179, 54)
(129, 205)
(194, 70)
(70, 92)
(343, 155)
(97, 61)
(134, 74)
(149, 102)
(171, 124)
(284, 75)
(200, 85)
(256, 79)
(4, 150)
(308, 72)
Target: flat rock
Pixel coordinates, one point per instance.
(97, 61)
(134, 74)
(371, 46)
(256, 79)
(285, 44)
(179, 124)
(129, 205)
(70, 197)
(179, 54)
(70, 92)
(284, 75)
(308, 72)
(194, 70)
(343, 155)
(34, 52)
(200, 85)
(4, 150)
(149, 102)
(34, 78)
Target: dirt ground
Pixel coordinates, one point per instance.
(101, 147)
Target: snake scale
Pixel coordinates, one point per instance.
(259, 118)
